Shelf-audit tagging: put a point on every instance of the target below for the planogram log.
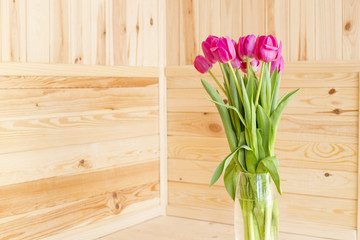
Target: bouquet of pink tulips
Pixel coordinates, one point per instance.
(250, 117)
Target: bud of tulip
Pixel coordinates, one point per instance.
(267, 49)
(246, 47)
(255, 65)
(223, 49)
(201, 64)
(206, 45)
(235, 63)
(279, 63)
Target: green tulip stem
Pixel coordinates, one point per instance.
(217, 82)
(236, 81)
(248, 66)
(259, 87)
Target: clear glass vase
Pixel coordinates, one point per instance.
(256, 208)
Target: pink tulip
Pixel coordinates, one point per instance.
(206, 45)
(279, 63)
(223, 49)
(255, 65)
(266, 48)
(235, 63)
(246, 47)
(201, 64)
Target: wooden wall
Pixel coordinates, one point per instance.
(79, 145)
(309, 29)
(103, 32)
(317, 146)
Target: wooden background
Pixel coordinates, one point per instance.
(71, 156)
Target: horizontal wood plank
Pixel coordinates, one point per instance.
(311, 101)
(41, 133)
(40, 69)
(288, 80)
(75, 159)
(297, 154)
(106, 205)
(292, 206)
(335, 184)
(31, 103)
(44, 82)
(322, 231)
(341, 129)
(49, 192)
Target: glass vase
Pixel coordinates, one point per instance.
(256, 208)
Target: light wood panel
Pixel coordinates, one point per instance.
(351, 32)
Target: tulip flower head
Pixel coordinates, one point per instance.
(223, 49)
(267, 49)
(235, 63)
(246, 47)
(279, 64)
(255, 65)
(201, 64)
(206, 45)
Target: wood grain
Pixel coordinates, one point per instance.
(292, 206)
(173, 32)
(351, 33)
(76, 159)
(336, 184)
(253, 17)
(231, 18)
(118, 28)
(297, 154)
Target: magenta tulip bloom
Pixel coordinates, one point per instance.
(246, 47)
(266, 48)
(201, 64)
(235, 63)
(223, 49)
(206, 45)
(255, 65)
(279, 63)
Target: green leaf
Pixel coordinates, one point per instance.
(251, 161)
(224, 114)
(269, 164)
(223, 165)
(260, 144)
(233, 108)
(263, 122)
(231, 176)
(275, 83)
(246, 147)
(241, 153)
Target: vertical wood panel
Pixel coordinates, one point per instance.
(173, 32)
(277, 23)
(118, 29)
(98, 32)
(133, 36)
(59, 31)
(302, 30)
(328, 30)
(254, 15)
(231, 18)
(189, 37)
(38, 31)
(351, 29)
(150, 40)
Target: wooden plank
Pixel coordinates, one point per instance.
(292, 206)
(296, 154)
(308, 128)
(165, 227)
(322, 101)
(13, 20)
(253, 17)
(69, 160)
(335, 184)
(40, 133)
(60, 31)
(133, 33)
(45, 82)
(120, 56)
(38, 31)
(277, 23)
(302, 30)
(150, 40)
(189, 32)
(328, 29)
(50, 192)
(358, 168)
(230, 17)
(288, 80)
(322, 231)
(47, 103)
(38, 69)
(351, 33)
(98, 32)
(104, 205)
(173, 32)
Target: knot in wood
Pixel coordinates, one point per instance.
(225, 100)
(214, 127)
(332, 91)
(327, 174)
(151, 21)
(348, 26)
